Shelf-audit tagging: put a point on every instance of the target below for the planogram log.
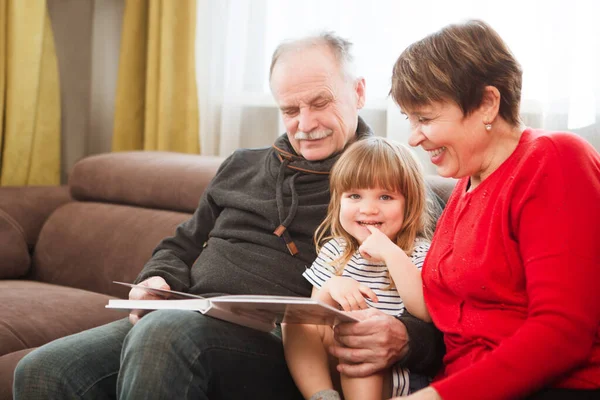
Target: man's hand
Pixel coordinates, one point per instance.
(346, 292)
(141, 294)
(375, 343)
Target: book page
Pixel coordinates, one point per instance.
(254, 311)
(274, 309)
(166, 293)
(202, 305)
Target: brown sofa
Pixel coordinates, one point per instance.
(63, 246)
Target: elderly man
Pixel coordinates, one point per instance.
(251, 234)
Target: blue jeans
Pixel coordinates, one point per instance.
(167, 355)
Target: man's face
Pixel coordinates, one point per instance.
(318, 104)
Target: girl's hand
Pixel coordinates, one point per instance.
(377, 247)
(348, 293)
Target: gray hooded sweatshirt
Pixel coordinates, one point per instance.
(252, 233)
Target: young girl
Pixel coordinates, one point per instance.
(376, 238)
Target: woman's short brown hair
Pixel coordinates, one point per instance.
(456, 64)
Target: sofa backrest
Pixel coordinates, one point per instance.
(124, 204)
(161, 180)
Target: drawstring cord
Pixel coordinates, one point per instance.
(294, 162)
(284, 221)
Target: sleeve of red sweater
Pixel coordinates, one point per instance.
(555, 213)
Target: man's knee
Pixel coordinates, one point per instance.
(25, 368)
(186, 332)
(161, 325)
(37, 360)
(36, 372)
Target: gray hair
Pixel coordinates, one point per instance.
(339, 47)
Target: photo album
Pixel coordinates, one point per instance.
(254, 311)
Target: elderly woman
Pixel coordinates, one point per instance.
(512, 278)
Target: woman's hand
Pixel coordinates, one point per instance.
(347, 293)
(375, 343)
(428, 393)
(141, 294)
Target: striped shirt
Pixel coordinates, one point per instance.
(376, 277)
(373, 275)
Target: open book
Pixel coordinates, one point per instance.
(258, 312)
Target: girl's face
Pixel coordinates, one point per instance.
(377, 207)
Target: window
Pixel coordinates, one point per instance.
(557, 43)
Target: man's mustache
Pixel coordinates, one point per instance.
(315, 135)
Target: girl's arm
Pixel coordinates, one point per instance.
(407, 278)
(405, 274)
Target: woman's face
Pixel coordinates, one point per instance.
(456, 144)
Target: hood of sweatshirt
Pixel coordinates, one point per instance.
(292, 163)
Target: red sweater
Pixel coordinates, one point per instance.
(512, 278)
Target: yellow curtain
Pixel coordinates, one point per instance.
(29, 95)
(156, 105)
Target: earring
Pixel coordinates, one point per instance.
(488, 127)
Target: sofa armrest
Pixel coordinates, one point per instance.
(23, 211)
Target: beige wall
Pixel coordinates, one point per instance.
(87, 38)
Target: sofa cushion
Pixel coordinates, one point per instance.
(87, 245)
(164, 180)
(30, 206)
(35, 313)
(8, 363)
(23, 211)
(15, 255)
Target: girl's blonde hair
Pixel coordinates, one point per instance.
(376, 162)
